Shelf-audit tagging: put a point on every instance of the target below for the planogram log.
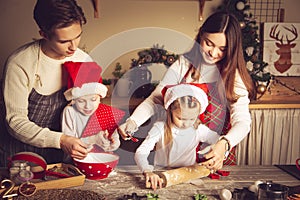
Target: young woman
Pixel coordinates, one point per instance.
(216, 59)
(176, 139)
(34, 82)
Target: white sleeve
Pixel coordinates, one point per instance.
(240, 117)
(154, 102)
(207, 135)
(67, 125)
(143, 151)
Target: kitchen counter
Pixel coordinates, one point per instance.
(126, 180)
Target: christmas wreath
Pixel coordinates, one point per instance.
(155, 54)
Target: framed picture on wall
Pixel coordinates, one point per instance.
(281, 48)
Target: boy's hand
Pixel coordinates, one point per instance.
(107, 143)
(102, 139)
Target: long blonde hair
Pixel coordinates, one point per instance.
(185, 102)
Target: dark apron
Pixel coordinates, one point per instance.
(45, 111)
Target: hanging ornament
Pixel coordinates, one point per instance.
(249, 51)
(170, 60)
(240, 5)
(201, 8)
(148, 58)
(96, 8)
(250, 66)
(261, 89)
(254, 58)
(242, 24)
(256, 65)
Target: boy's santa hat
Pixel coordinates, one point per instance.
(173, 92)
(84, 79)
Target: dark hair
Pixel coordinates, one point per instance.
(224, 22)
(52, 14)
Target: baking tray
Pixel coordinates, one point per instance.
(51, 182)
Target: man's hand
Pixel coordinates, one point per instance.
(73, 146)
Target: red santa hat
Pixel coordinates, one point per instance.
(84, 79)
(173, 92)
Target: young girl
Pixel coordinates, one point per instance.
(86, 118)
(176, 139)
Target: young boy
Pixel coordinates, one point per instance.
(85, 117)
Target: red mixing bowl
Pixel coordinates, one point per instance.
(97, 165)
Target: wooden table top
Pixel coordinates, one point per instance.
(126, 180)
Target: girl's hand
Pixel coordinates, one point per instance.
(73, 146)
(215, 158)
(154, 179)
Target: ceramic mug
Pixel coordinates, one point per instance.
(123, 87)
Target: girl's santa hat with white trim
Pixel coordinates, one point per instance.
(173, 92)
(84, 79)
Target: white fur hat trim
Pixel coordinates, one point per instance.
(182, 90)
(86, 89)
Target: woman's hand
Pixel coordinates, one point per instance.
(73, 146)
(215, 158)
(154, 179)
(128, 127)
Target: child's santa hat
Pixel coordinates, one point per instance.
(173, 92)
(84, 79)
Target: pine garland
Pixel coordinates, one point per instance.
(155, 54)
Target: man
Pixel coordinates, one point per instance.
(34, 82)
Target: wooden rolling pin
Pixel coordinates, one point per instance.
(182, 175)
